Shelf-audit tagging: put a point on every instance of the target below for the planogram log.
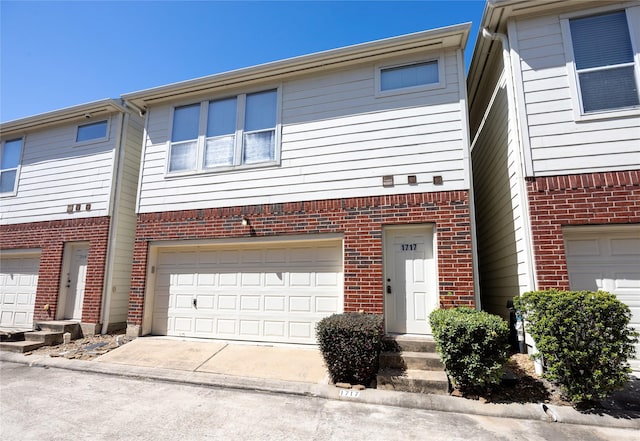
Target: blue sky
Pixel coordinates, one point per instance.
(56, 54)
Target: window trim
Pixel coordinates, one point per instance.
(93, 140)
(442, 83)
(17, 169)
(238, 144)
(572, 72)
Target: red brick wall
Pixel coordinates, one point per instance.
(587, 199)
(50, 237)
(359, 220)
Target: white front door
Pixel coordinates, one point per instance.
(76, 281)
(410, 279)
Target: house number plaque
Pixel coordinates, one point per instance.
(349, 393)
(409, 247)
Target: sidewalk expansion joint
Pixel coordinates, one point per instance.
(212, 355)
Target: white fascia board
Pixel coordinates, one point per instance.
(79, 112)
(447, 37)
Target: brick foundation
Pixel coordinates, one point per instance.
(50, 237)
(359, 220)
(587, 199)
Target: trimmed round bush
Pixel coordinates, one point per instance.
(584, 340)
(350, 345)
(473, 345)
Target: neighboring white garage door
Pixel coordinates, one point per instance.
(268, 292)
(18, 284)
(607, 259)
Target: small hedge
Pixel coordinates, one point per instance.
(350, 345)
(473, 345)
(584, 339)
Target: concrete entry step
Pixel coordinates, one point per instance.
(11, 335)
(406, 343)
(20, 346)
(61, 326)
(413, 380)
(48, 338)
(429, 361)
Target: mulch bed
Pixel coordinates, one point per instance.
(521, 385)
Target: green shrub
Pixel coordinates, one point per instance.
(473, 345)
(350, 345)
(584, 339)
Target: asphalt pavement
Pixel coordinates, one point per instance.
(300, 371)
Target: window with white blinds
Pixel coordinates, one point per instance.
(231, 132)
(604, 62)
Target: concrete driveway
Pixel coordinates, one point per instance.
(298, 364)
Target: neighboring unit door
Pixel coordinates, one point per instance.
(270, 292)
(607, 259)
(18, 285)
(76, 281)
(410, 279)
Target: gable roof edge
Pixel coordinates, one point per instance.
(450, 36)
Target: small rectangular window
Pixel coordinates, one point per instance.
(604, 64)
(410, 75)
(88, 132)
(10, 155)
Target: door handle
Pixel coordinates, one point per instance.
(388, 289)
(195, 302)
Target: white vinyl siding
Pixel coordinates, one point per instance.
(57, 172)
(124, 221)
(499, 209)
(561, 144)
(338, 140)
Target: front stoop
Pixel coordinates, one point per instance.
(61, 326)
(47, 334)
(411, 364)
(413, 380)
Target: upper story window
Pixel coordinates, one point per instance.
(91, 131)
(409, 77)
(11, 152)
(230, 132)
(604, 63)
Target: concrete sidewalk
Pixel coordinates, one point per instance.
(292, 370)
(239, 360)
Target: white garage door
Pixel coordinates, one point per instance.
(18, 284)
(607, 259)
(269, 292)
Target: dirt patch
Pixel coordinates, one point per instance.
(86, 348)
(521, 384)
